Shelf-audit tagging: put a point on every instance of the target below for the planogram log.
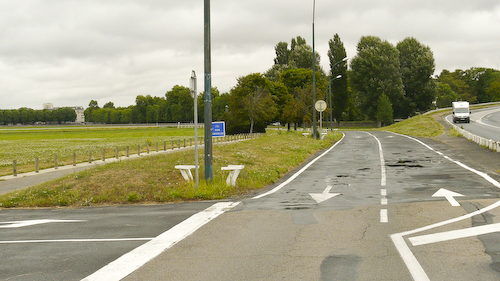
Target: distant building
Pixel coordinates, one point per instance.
(79, 110)
(80, 117)
(48, 106)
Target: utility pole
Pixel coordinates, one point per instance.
(314, 132)
(209, 173)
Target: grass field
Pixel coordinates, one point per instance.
(26, 144)
(154, 179)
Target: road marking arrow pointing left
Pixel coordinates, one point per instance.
(17, 224)
(449, 195)
(320, 197)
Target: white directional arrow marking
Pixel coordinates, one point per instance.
(320, 197)
(17, 224)
(448, 195)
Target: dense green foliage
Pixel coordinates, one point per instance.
(28, 116)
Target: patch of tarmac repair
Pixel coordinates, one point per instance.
(491, 247)
(340, 268)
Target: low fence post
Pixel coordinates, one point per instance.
(37, 167)
(139, 149)
(128, 151)
(147, 147)
(164, 145)
(14, 167)
(156, 147)
(172, 144)
(55, 162)
(117, 153)
(74, 158)
(104, 154)
(90, 156)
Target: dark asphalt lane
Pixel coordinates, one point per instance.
(59, 259)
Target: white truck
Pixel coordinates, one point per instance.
(461, 111)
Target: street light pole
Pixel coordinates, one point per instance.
(209, 174)
(330, 86)
(314, 132)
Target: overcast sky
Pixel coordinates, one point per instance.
(68, 52)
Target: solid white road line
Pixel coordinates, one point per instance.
(454, 234)
(75, 240)
(136, 258)
(411, 262)
(383, 175)
(298, 173)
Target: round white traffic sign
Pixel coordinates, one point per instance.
(320, 105)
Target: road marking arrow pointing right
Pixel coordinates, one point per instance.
(320, 197)
(448, 195)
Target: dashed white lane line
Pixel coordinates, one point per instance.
(129, 262)
(384, 218)
(299, 172)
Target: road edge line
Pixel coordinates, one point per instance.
(133, 260)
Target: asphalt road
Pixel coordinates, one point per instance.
(363, 210)
(484, 123)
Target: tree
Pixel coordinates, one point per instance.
(250, 104)
(457, 84)
(445, 95)
(260, 106)
(338, 86)
(376, 71)
(88, 111)
(384, 111)
(109, 105)
(417, 67)
(282, 53)
(179, 104)
(493, 91)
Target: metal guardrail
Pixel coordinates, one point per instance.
(489, 143)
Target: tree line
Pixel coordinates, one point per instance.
(384, 81)
(28, 116)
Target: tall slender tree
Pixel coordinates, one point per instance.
(376, 71)
(338, 86)
(417, 67)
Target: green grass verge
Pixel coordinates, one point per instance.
(154, 179)
(418, 126)
(27, 143)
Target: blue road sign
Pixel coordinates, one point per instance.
(219, 129)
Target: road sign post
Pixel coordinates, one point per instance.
(320, 106)
(194, 95)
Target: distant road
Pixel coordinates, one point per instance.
(484, 123)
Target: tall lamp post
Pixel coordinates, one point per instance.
(329, 96)
(209, 173)
(329, 87)
(314, 132)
